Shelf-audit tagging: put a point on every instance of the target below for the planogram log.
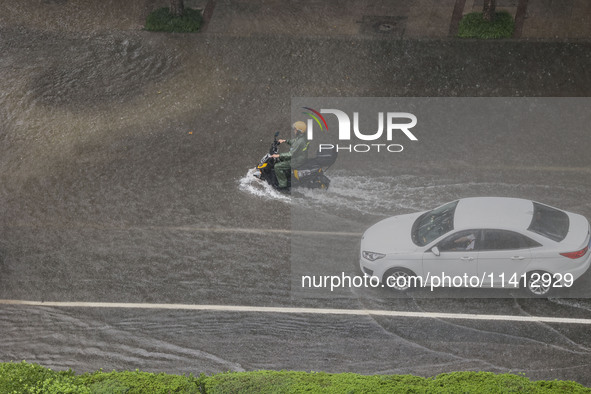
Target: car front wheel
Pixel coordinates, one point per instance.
(399, 279)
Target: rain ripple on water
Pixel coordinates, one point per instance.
(98, 71)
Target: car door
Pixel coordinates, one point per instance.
(503, 257)
(457, 257)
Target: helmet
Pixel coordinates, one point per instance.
(299, 126)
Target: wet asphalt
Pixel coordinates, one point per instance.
(119, 150)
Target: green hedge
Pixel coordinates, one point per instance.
(139, 382)
(473, 25)
(320, 382)
(32, 378)
(163, 20)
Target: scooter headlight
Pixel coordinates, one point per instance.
(372, 256)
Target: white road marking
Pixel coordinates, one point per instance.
(296, 310)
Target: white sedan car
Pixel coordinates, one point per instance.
(481, 242)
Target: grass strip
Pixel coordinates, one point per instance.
(162, 20)
(473, 25)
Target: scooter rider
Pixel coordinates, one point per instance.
(297, 155)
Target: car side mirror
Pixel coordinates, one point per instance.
(435, 250)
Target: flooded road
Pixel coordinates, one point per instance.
(124, 167)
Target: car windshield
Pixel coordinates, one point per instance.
(431, 225)
(549, 222)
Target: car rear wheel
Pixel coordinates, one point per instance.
(539, 283)
(399, 279)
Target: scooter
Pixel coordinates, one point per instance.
(309, 175)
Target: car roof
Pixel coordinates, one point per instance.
(493, 212)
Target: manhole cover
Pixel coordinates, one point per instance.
(383, 25)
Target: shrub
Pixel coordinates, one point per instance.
(25, 377)
(473, 25)
(17, 378)
(321, 382)
(163, 20)
(138, 382)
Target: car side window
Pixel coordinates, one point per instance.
(530, 243)
(505, 240)
(461, 241)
